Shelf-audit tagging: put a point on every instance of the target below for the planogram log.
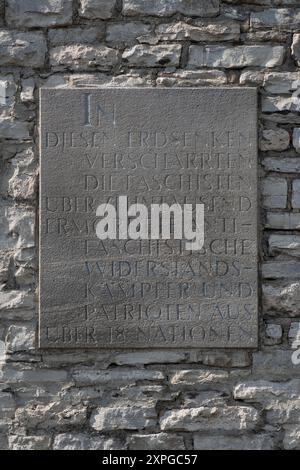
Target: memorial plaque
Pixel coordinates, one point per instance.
(172, 146)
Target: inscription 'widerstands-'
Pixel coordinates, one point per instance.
(155, 146)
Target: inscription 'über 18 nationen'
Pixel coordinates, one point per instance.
(184, 146)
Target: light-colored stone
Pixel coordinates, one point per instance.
(79, 441)
(161, 441)
(131, 417)
(284, 244)
(191, 78)
(274, 139)
(224, 442)
(230, 418)
(52, 415)
(94, 9)
(296, 48)
(20, 338)
(14, 375)
(235, 57)
(281, 82)
(284, 299)
(16, 300)
(19, 176)
(291, 439)
(274, 191)
(203, 8)
(22, 49)
(29, 442)
(209, 31)
(32, 13)
(197, 377)
(251, 77)
(284, 19)
(153, 56)
(83, 57)
(28, 87)
(263, 391)
(275, 104)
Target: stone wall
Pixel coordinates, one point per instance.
(150, 399)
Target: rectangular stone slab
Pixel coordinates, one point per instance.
(192, 145)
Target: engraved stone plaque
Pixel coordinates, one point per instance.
(173, 146)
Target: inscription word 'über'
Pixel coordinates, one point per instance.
(155, 146)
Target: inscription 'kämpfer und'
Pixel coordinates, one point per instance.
(185, 146)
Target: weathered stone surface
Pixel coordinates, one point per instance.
(8, 90)
(287, 412)
(296, 194)
(214, 106)
(20, 338)
(131, 417)
(93, 9)
(203, 8)
(296, 139)
(150, 357)
(29, 442)
(19, 176)
(296, 48)
(281, 82)
(284, 19)
(83, 57)
(14, 130)
(235, 57)
(291, 439)
(22, 49)
(231, 418)
(280, 269)
(273, 334)
(251, 77)
(126, 33)
(275, 364)
(274, 139)
(273, 104)
(152, 56)
(197, 377)
(263, 391)
(32, 13)
(76, 35)
(53, 415)
(183, 78)
(225, 358)
(282, 165)
(115, 376)
(161, 441)
(80, 441)
(294, 334)
(28, 87)
(251, 442)
(14, 375)
(210, 31)
(8, 406)
(285, 244)
(265, 36)
(284, 299)
(283, 220)
(16, 300)
(274, 191)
